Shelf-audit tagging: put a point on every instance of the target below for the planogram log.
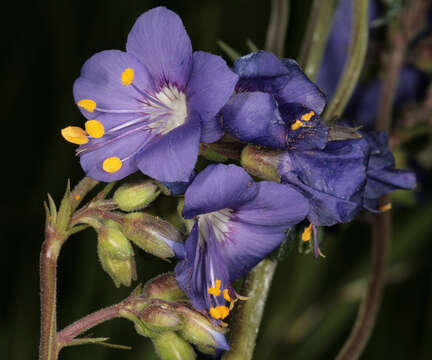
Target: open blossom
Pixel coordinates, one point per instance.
(237, 223)
(149, 107)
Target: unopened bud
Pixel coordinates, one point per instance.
(116, 254)
(199, 330)
(163, 287)
(112, 241)
(135, 196)
(171, 346)
(121, 271)
(159, 317)
(261, 162)
(140, 327)
(153, 235)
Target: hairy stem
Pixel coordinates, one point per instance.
(48, 349)
(249, 313)
(68, 334)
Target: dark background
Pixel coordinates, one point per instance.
(312, 304)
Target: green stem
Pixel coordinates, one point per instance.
(355, 61)
(317, 32)
(249, 313)
(278, 23)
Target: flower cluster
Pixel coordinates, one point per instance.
(149, 108)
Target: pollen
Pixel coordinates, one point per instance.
(112, 164)
(307, 233)
(307, 116)
(94, 128)
(77, 197)
(216, 291)
(74, 135)
(127, 76)
(297, 125)
(226, 295)
(385, 207)
(219, 312)
(87, 104)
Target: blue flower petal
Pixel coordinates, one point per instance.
(218, 187)
(172, 157)
(254, 117)
(159, 40)
(299, 89)
(210, 86)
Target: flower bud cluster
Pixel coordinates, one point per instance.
(160, 313)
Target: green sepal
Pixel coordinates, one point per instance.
(65, 210)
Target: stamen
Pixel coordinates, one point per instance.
(297, 125)
(94, 128)
(112, 164)
(216, 291)
(307, 233)
(127, 76)
(385, 207)
(308, 116)
(226, 295)
(74, 135)
(87, 104)
(219, 312)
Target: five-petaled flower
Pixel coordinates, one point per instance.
(149, 107)
(237, 223)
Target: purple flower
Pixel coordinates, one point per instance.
(333, 179)
(237, 223)
(275, 105)
(149, 107)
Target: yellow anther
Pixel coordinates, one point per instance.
(226, 295)
(385, 207)
(94, 128)
(87, 104)
(219, 312)
(307, 233)
(112, 164)
(308, 116)
(215, 290)
(75, 135)
(127, 76)
(297, 125)
(77, 197)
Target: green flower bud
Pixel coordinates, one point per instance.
(116, 254)
(170, 346)
(199, 330)
(112, 241)
(140, 327)
(163, 287)
(159, 317)
(152, 234)
(135, 196)
(261, 162)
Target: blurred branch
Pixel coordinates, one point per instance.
(355, 60)
(369, 306)
(278, 23)
(410, 22)
(317, 32)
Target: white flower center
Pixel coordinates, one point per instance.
(218, 220)
(170, 106)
